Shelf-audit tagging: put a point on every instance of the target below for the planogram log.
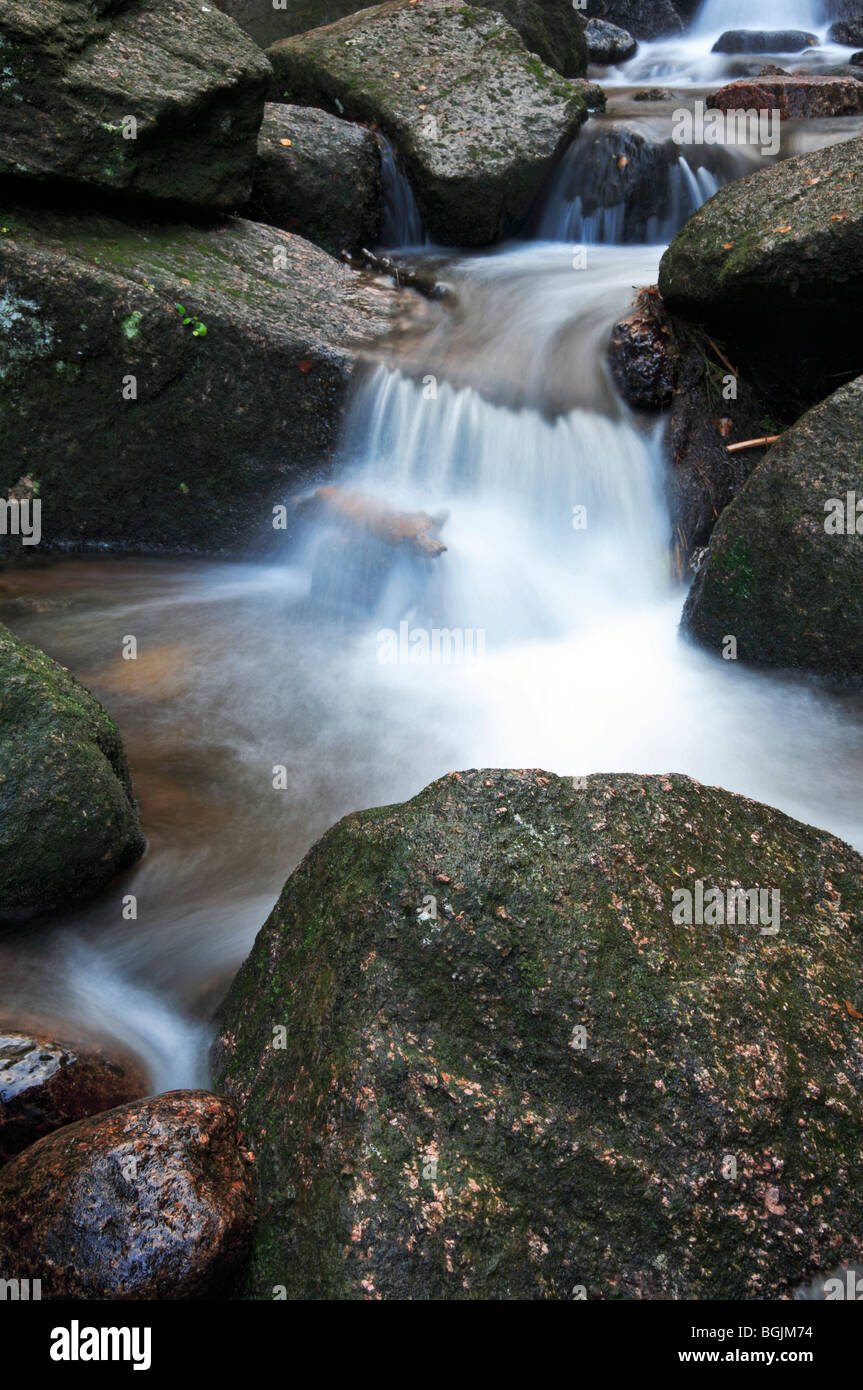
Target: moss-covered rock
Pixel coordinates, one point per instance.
(783, 572)
(774, 262)
(476, 1057)
(550, 28)
(68, 820)
(161, 100)
(142, 430)
(319, 176)
(477, 119)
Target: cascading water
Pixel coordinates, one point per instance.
(715, 16)
(401, 223)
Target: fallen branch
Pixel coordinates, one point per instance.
(356, 511)
(752, 443)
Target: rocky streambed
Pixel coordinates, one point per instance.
(581, 1019)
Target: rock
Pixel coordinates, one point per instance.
(641, 353)
(76, 72)
(653, 94)
(68, 819)
(213, 430)
(856, 59)
(474, 157)
(360, 514)
(774, 264)
(507, 1072)
(764, 41)
(659, 361)
(644, 19)
(45, 1084)
(550, 28)
(775, 577)
(848, 32)
(319, 176)
(607, 44)
(795, 98)
(151, 1200)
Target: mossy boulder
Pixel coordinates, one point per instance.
(142, 430)
(160, 100)
(550, 28)
(774, 263)
(68, 819)
(476, 1057)
(319, 176)
(478, 121)
(783, 572)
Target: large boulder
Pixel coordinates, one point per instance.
(608, 44)
(68, 820)
(45, 1084)
(644, 19)
(75, 74)
(319, 176)
(550, 28)
(151, 1200)
(782, 574)
(148, 427)
(479, 1053)
(478, 120)
(774, 263)
(764, 41)
(797, 97)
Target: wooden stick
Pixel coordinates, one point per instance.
(721, 355)
(752, 443)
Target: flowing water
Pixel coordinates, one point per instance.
(555, 588)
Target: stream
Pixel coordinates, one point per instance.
(503, 417)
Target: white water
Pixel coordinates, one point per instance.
(715, 16)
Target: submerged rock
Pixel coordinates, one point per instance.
(774, 263)
(608, 44)
(45, 1084)
(162, 100)
(764, 41)
(796, 98)
(782, 574)
(477, 1057)
(319, 176)
(478, 121)
(148, 427)
(68, 819)
(151, 1200)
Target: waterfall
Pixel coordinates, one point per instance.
(402, 224)
(715, 16)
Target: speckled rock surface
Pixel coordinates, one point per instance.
(319, 176)
(606, 43)
(478, 120)
(68, 819)
(45, 1084)
(435, 1126)
(795, 98)
(72, 72)
(774, 576)
(151, 1200)
(222, 426)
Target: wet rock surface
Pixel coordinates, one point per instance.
(608, 44)
(319, 176)
(644, 19)
(145, 431)
(433, 76)
(151, 1200)
(45, 1084)
(795, 98)
(764, 41)
(68, 819)
(74, 73)
(507, 1072)
(783, 570)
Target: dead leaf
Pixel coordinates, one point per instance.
(851, 1009)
